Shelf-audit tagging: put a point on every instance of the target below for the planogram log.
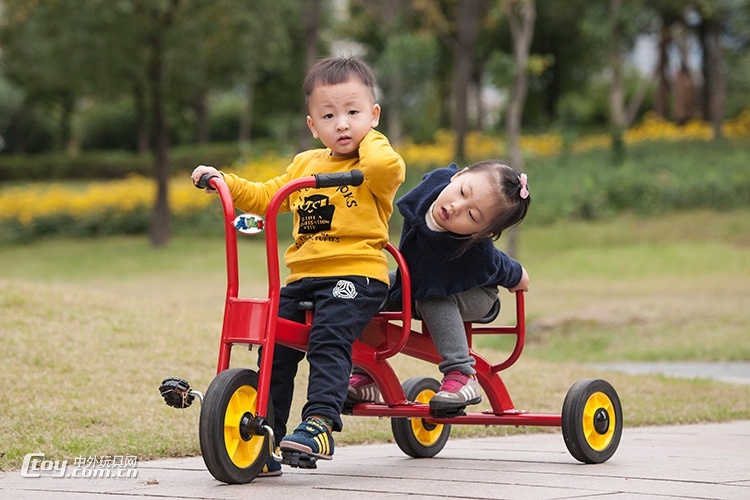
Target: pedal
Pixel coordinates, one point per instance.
(348, 408)
(176, 392)
(448, 412)
(299, 459)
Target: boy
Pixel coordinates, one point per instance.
(336, 260)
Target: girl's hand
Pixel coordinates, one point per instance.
(200, 171)
(522, 285)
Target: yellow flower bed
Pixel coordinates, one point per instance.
(136, 194)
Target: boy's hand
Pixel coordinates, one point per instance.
(202, 170)
(522, 285)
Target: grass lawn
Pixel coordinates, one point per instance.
(91, 327)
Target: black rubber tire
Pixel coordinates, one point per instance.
(415, 437)
(592, 421)
(228, 457)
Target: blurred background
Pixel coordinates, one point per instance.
(631, 118)
(105, 103)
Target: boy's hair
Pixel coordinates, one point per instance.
(335, 70)
(506, 181)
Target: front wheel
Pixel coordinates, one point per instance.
(233, 455)
(414, 436)
(592, 421)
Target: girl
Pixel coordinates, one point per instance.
(450, 221)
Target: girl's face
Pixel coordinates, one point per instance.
(341, 115)
(467, 205)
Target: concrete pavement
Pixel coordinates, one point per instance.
(710, 461)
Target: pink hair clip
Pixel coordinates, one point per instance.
(524, 187)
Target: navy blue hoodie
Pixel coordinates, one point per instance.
(436, 265)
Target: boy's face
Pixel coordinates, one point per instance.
(341, 115)
(467, 205)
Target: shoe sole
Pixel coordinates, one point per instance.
(451, 405)
(273, 473)
(292, 447)
(300, 460)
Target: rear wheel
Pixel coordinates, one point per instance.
(233, 455)
(414, 436)
(592, 421)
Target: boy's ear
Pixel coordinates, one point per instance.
(375, 115)
(311, 126)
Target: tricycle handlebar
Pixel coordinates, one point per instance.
(350, 178)
(203, 182)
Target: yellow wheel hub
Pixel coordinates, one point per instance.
(426, 434)
(599, 421)
(241, 452)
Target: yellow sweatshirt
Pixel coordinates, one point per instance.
(338, 231)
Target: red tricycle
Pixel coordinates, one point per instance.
(236, 436)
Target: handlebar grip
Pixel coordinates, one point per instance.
(203, 182)
(350, 178)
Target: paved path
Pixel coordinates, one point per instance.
(710, 461)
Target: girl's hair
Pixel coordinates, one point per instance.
(513, 197)
(335, 70)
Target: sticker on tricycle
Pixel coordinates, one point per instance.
(249, 223)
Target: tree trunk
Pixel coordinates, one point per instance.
(476, 93)
(393, 116)
(66, 120)
(662, 91)
(160, 216)
(468, 23)
(159, 233)
(616, 92)
(715, 83)
(246, 116)
(141, 119)
(201, 117)
(521, 17)
(16, 131)
(312, 27)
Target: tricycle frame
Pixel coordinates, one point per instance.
(591, 418)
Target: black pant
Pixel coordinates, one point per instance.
(344, 305)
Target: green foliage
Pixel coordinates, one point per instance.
(738, 83)
(110, 164)
(109, 126)
(33, 130)
(224, 118)
(406, 70)
(653, 178)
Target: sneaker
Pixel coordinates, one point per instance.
(362, 389)
(272, 468)
(458, 390)
(311, 440)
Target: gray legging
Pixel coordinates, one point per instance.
(445, 317)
